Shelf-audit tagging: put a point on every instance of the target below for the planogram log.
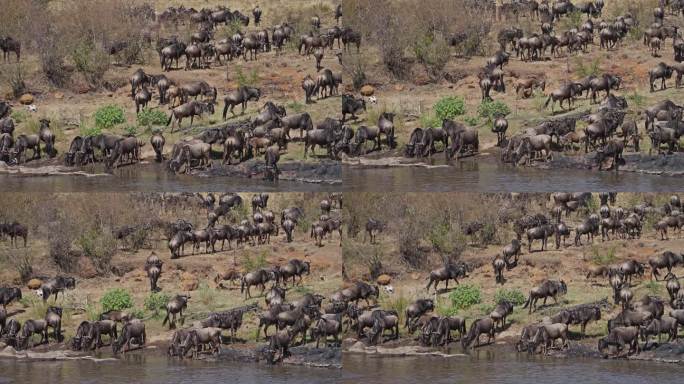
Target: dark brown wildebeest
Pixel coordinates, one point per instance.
(660, 72)
(352, 105)
(157, 142)
(132, 330)
(153, 269)
(548, 288)
(190, 109)
(446, 273)
(415, 310)
(666, 260)
(240, 97)
(619, 337)
(175, 307)
(259, 277)
(9, 45)
(55, 286)
(478, 327)
(373, 226)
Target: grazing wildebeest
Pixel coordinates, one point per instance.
(373, 226)
(132, 330)
(240, 97)
(446, 273)
(295, 268)
(478, 327)
(548, 288)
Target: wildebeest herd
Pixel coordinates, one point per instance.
(298, 318)
(638, 321)
(609, 132)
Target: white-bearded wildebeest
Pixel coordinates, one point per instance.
(449, 272)
(9, 45)
(547, 334)
(542, 233)
(177, 243)
(295, 268)
(673, 288)
(352, 105)
(133, 330)
(566, 92)
(175, 307)
(190, 109)
(373, 227)
(325, 327)
(153, 269)
(415, 310)
(660, 72)
(478, 327)
(240, 97)
(619, 337)
(666, 260)
(259, 277)
(8, 295)
(157, 142)
(55, 286)
(548, 288)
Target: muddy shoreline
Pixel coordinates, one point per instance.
(659, 165)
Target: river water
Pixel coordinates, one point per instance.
(473, 176)
(479, 367)
(151, 178)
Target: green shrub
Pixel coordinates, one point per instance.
(137, 313)
(109, 116)
(296, 107)
(432, 53)
(148, 117)
(116, 299)
(156, 301)
(91, 62)
(207, 295)
(98, 246)
(449, 107)
(464, 296)
(490, 109)
(19, 116)
(583, 70)
(513, 295)
(131, 130)
(471, 120)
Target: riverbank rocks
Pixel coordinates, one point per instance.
(86, 268)
(384, 279)
(34, 284)
(189, 282)
(26, 99)
(367, 90)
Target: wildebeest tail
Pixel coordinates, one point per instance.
(547, 102)
(170, 119)
(529, 299)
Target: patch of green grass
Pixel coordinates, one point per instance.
(207, 296)
(252, 263)
(116, 299)
(583, 70)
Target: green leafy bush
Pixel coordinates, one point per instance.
(490, 109)
(513, 295)
(109, 116)
(449, 107)
(156, 301)
(432, 53)
(148, 117)
(98, 246)
(116, 299)
(464, 296)
(472, 120)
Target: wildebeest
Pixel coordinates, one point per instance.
(55, 286)
(190, 109)
(373, 227)
(619, 337)
(478, 327)
(175, 307)
(666, 260)
(548, 288)
(240, 97)
(352, 105)
(415, 310)
(451, 271)
(133, 330)
(259, 277)
(8, 295)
